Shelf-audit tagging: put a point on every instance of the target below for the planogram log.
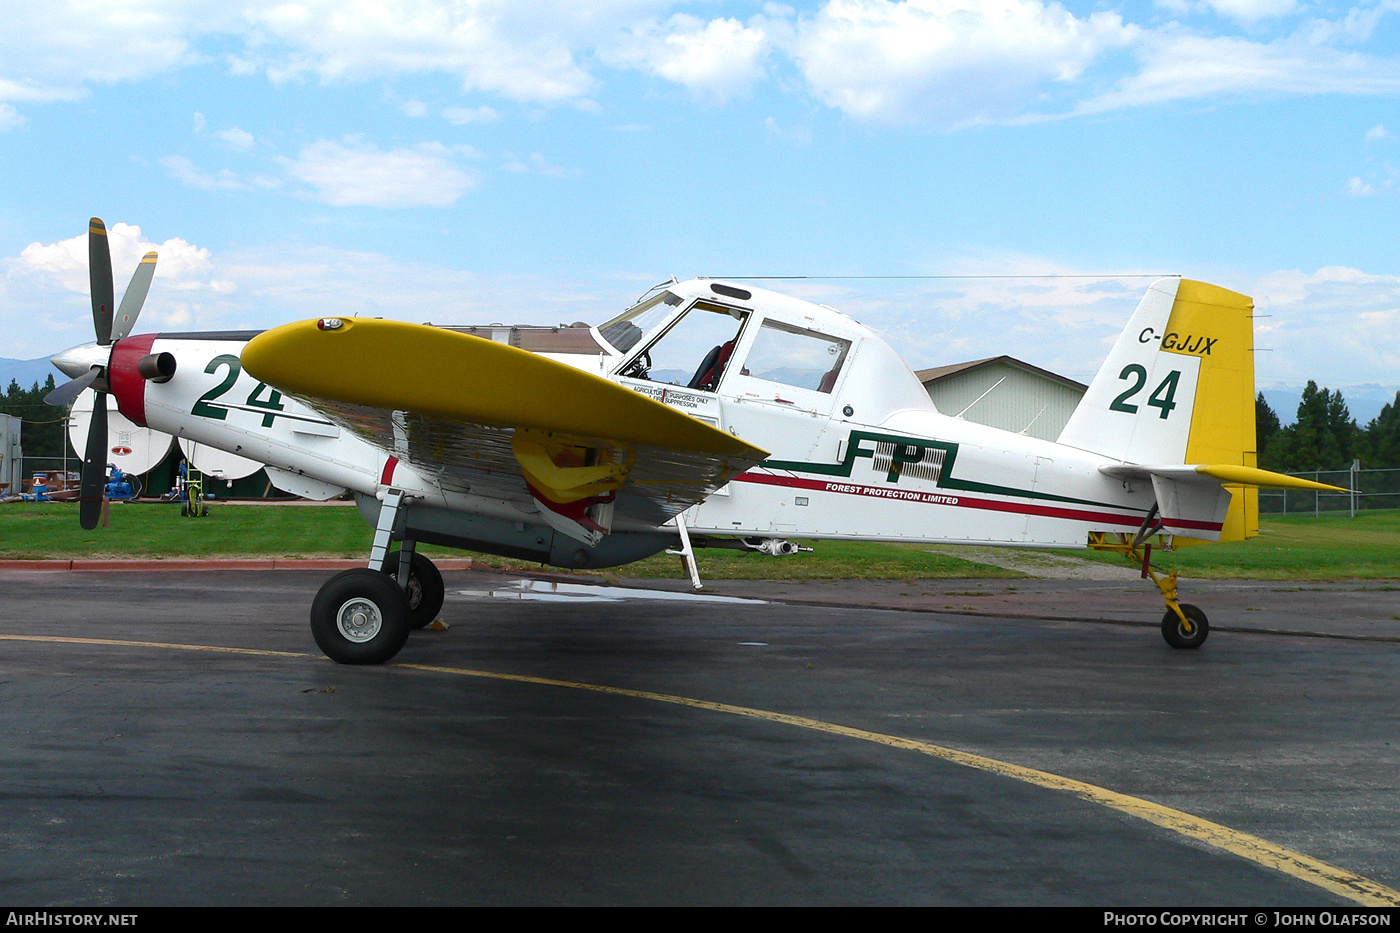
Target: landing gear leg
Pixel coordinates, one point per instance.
(686, 553)
(1184, 625)
(361, 616)
(384, 528)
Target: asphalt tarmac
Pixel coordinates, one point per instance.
(950, 742)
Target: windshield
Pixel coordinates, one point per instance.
(623, 331)
(694, 351)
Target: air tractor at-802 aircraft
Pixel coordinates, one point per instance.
(709, 414)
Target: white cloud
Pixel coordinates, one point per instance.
(354, 173)
(1180, 66)
(1376, 132)
(1029, 307)
(236, 137)
(947, 62)
(181, 264)
(522, 52)
(24, 89)
(187, 173)
(47, 306)
(715, 61)
(1358, 188)
(1338, 325)
(537, 164)
(460, 116)
(798, 134)
(52, 50)
(1250, 11)
(942, 63)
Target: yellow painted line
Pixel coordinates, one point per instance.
(1305, 868)
(157, 644)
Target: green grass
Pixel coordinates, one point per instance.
(1289, 548)
(48, 530)
(1293, 547)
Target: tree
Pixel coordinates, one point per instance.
(1324, 437)
(1383, 437)
(43, 430)
(1266, 424)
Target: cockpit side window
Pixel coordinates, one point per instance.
(694, 351)
(796, 357)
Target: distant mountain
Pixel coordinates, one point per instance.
(1363, 401)
(27, 372)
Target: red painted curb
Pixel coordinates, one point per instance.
(178, 564)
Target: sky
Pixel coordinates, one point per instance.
(969, 177)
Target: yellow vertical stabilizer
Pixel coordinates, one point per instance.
(1217, 326)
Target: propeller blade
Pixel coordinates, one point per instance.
(135, 297)
(100, 278)
(64, 394)
(94, 483)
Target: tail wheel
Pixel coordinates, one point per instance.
(1174, 630)
(360, 617)
(425, 590)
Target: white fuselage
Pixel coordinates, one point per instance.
(866, 456)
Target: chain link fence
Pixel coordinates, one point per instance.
(1365, 489)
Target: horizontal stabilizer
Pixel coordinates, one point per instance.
(1221, 472)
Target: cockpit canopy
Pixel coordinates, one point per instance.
(751, 343)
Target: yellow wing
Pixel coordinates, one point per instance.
(486, 417)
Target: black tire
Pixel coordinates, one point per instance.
(425, 591)
(1175, 633)
(360, 617)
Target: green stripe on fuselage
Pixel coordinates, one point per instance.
(911, 450)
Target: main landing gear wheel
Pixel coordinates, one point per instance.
(360, 617)
(1174, 631)
(425, 589)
